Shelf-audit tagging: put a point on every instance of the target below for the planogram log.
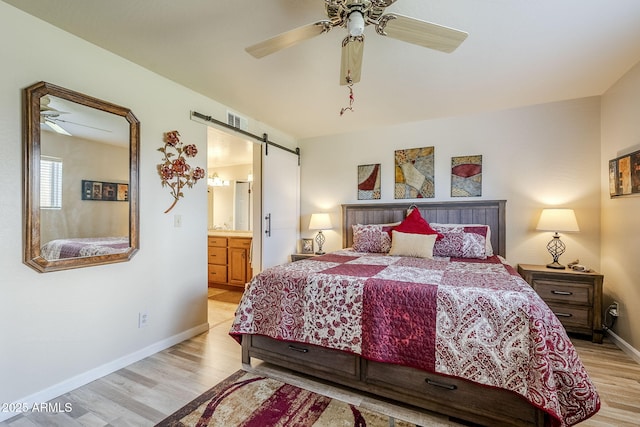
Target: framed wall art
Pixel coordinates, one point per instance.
(466, 176)
(369, 182)
(414, 173)
(105, 191)
(307, 246)
(624, 175)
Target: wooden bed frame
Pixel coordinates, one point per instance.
(454, 397)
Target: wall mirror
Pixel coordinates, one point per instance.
(80, 180)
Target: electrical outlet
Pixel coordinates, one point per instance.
(177, 221)
(614, 309)
(143, 319)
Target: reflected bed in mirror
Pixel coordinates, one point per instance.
(71, 139)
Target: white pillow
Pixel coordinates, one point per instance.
(413, 245)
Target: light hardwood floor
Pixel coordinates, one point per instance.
(147, 391)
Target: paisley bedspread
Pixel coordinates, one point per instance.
(472, 319)
(83, 247)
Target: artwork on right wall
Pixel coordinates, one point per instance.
(624, 175)
(466, 176)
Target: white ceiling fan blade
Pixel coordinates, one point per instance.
(422, 33)
(56, 127)
(83, 125)
(288, 39)
(351, 63)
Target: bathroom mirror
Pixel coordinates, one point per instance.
(80, 170)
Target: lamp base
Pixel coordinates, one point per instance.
(320, 242)
(556, 265)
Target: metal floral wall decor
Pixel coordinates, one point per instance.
(174, 171)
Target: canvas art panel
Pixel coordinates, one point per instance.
(414, 173)
(105, 191)
(624, 175)
(614, 187)
(466, 176)
(369, 182)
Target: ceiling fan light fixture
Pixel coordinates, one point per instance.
(355, 24)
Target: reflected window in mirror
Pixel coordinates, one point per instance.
(72, 138)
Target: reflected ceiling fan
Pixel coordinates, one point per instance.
(354, 15)
(51, 117)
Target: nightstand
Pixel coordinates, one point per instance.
(298, 257)
(575, 297)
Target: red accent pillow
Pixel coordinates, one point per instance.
(414, 223)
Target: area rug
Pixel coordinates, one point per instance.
(249, 400)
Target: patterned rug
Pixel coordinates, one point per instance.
(248, 400)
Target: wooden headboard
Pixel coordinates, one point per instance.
(489, 212)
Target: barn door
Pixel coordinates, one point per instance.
(280, 204)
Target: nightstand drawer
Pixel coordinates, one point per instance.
(574, 297)
(572, 315)
(568, 293)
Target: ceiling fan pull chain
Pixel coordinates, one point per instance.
(351, 98)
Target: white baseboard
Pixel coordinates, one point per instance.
(99, 372)
(624, 346)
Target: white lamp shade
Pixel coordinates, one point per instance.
(558, 220)
(320, 221)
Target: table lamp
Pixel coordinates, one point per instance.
(320, 221)
(557, 220)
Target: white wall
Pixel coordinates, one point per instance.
(534, 157)
(58, 330)
(620, 216)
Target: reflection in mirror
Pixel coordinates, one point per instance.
(230, 205)
(81, 179)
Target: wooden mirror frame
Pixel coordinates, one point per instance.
(31, 175)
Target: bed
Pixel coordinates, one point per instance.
(414, 330)
(84, 247)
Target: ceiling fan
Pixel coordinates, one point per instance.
(354, 15)
(49, 116)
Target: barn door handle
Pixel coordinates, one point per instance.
(267, 227)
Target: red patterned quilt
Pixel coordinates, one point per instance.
(473, 319)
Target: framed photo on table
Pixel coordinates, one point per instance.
(307, 246)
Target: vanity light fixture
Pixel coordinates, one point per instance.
(557, 220)
(320, 221)
(215, 181)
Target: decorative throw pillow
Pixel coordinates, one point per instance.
(412, 244)
(463, 241)
(370, 238)
(416, 224)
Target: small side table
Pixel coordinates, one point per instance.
(574, 297)
(298, 257)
